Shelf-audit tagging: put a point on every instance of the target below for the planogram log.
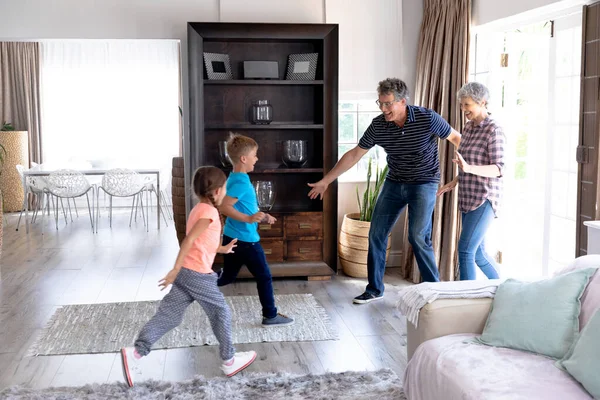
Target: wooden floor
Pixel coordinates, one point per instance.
(73, 266)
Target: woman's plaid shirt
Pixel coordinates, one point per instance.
(481, 144)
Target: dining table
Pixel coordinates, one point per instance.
(41, 171)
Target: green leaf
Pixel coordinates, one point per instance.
(358, 199)
(7, 126)
(2, 155)
(369, 197)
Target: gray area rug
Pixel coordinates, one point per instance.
(367, 385)
(105, 328)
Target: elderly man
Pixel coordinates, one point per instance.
(409, 135)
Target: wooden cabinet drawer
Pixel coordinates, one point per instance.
(304, 250)
(275, 230)
(306, 226)
(273, 250)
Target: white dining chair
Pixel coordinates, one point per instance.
(69, 184)
(121, 182)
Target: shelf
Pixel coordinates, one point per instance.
(287, 170)
(271, 126)
(262, 82)
(291, 269)
(304, 110)
(279, 170)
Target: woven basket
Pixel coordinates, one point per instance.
(178, 197)
(16, 144)
(1, 232)
(353, 246)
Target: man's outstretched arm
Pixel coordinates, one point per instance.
(347, 161)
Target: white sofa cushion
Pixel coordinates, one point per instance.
(454, 368)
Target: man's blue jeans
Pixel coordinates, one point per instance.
(394, 196)
(471, 246)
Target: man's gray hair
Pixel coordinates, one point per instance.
(475, 91)
(393, 86)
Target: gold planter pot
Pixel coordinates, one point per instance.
(353, 246)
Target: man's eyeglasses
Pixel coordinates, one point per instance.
(385, 104)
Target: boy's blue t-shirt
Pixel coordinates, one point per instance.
(240, 187)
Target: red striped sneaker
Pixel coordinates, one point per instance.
(240, 361)
(131, 365)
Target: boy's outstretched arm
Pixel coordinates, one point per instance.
(226, 208)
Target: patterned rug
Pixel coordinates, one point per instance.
(367, 385)
(105, 328)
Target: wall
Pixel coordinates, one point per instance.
(106, 19)
(370, 43)
(275, 11)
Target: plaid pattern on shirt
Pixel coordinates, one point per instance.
(481, 144)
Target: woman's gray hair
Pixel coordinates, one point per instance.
(475, 91)
(393, 86)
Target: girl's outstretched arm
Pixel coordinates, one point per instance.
(199, 227)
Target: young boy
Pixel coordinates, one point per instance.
(240, 206)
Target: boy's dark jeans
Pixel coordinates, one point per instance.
(253, 257)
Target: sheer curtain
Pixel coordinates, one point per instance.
(442, 64)
(110, 103)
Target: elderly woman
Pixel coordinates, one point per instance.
(480, 158)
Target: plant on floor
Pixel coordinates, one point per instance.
(371, 193)
(7, 126)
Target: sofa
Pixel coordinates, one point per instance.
(445, 362)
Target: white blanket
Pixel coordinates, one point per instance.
(415, 297)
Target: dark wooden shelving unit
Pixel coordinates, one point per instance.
(303, 241)
(272, 126)
(262, 82)
(280, 170)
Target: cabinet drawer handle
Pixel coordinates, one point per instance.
(268, 251)
(303, 250)
(304, 226)
(264, 227)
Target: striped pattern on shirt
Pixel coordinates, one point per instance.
(481, 144)
(412, 150)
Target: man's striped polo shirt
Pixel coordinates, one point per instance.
(412, 151)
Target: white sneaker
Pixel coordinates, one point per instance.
(131, 365)
(240, 361)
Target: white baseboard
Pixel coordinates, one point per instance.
(395, 259)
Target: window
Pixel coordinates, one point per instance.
(110, 103)
(353, 120)
(535, 97)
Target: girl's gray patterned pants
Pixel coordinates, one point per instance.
(189, 286)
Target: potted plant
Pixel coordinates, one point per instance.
(353, 244)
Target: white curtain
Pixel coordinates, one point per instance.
(110, 103)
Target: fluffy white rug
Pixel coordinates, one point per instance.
(367, 385)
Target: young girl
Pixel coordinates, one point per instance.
(193, 279)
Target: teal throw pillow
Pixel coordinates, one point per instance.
(583, 359)
(541, 317)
